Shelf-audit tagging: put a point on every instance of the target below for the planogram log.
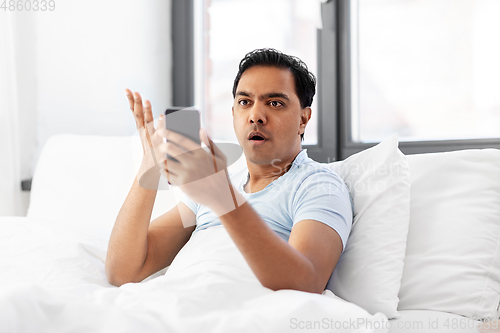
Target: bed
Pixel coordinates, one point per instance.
(52, 261)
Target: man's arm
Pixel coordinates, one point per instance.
(304, 263)
(137, 248)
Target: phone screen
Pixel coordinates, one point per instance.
(184, 121)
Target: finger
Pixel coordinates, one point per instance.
(170, 174)
(148, 113)
(174, 167)
(219, 158)
(149, 121)
(160, 130)
(138, 113)
(173, 150)
(180, 140)
(161, 125)
(130, 98)
(157, 135)
(157, 140)
(163, 170)
(211, 145)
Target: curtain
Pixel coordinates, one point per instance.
(10, 182)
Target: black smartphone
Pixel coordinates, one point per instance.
(184, 121)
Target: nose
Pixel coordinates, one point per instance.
(257, 114)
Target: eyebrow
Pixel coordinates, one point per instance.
(270, 95)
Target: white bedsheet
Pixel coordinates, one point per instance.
(52, 280)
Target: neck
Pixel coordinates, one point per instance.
(262, 175)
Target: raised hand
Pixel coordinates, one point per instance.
(201, 173)
(151, 140)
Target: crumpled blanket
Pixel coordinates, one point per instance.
(52, 280)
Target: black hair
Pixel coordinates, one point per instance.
(305, 81)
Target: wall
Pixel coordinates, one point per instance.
(74, 63)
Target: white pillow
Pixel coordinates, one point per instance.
(86, 178)
(453, 254)
(370, 269)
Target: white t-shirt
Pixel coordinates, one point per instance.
(308, 191)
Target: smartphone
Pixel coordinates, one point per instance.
(184, 121)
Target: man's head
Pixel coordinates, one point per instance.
(272, 97)
(305, 82)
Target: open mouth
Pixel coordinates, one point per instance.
(256, 136)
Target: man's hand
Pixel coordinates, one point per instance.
(152, 160)
(201, 174)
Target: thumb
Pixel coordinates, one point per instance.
(204, 137)
(211, 145)
(207, 141)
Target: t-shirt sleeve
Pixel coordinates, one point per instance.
(324, 197)
(188, 202)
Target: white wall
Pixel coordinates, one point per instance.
(12, 200)
(74, 63)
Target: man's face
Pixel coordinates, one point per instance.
(266, 102)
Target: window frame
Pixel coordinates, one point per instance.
(182, 16)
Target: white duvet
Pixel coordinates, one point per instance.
(52, 280)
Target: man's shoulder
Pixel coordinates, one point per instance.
(313, 178)
(310, 169)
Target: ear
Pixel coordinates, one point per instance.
(304, 119)
(232, 110)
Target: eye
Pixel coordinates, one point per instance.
(276, 103)
(243, 102)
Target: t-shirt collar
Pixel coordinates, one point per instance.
(301, 157)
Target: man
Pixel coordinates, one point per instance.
(288, 215)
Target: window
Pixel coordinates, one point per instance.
(225, 30)
(425, 69)
(434, 77)
(211, 37)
